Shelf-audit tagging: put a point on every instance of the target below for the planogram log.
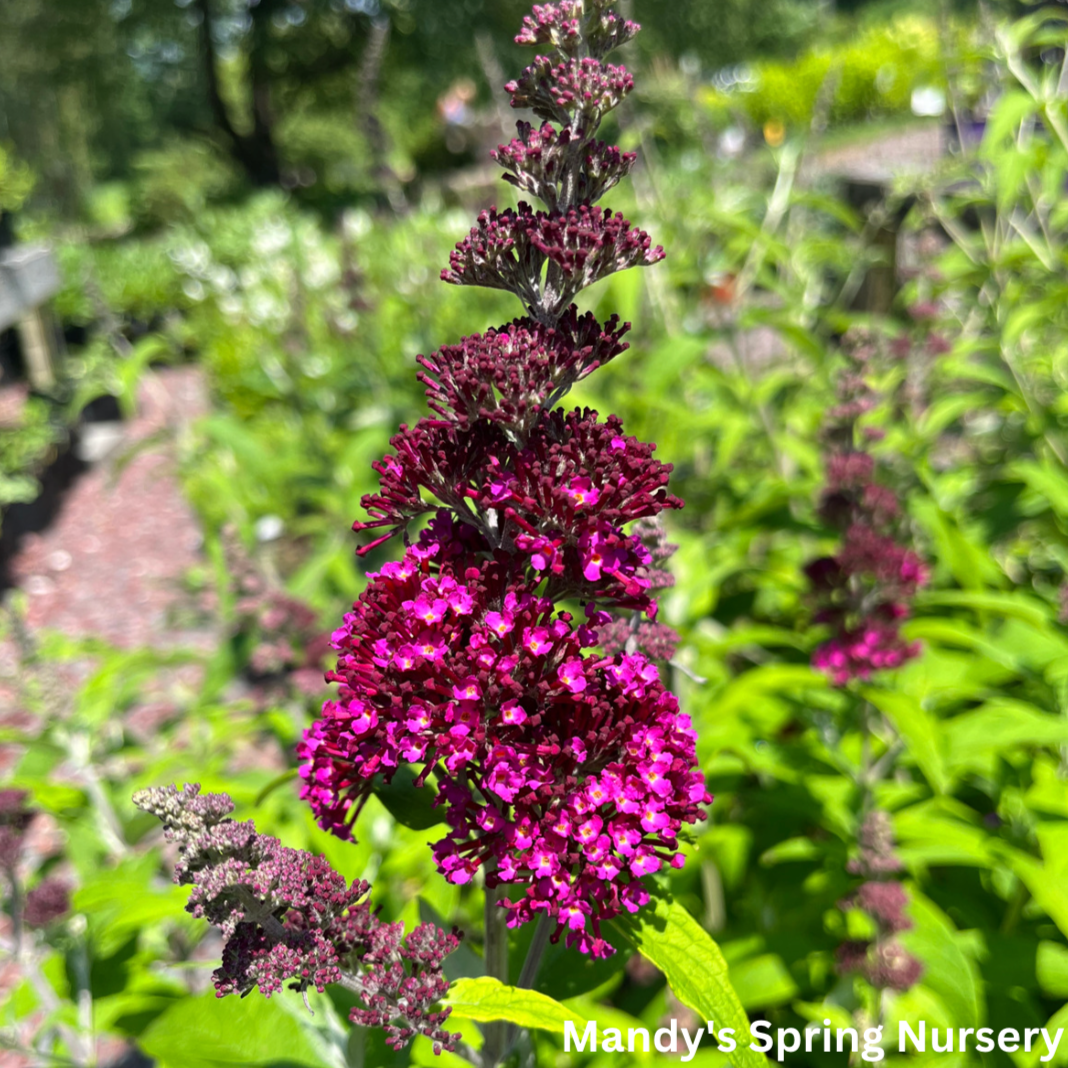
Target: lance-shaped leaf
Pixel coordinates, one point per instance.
(668, 936)
(487, 999)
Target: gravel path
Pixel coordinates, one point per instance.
(111, 564)
(912, 150)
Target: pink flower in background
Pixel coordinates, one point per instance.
(865, 590)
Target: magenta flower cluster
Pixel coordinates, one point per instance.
(650, 637)
(570, 26)
(586, 86)
(536, 161)
(512, 249)
(564, 768)
(286, 915)
(864, 591)
(882, 960)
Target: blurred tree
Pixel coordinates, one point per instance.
(718, 33)
(337, 94)
(274, 50)
(84, 83)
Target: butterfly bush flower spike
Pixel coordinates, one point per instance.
(882, 960)
(564, 768)
(864, 591)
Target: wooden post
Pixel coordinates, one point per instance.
(29, 277)
(41, 347)
(876, 293)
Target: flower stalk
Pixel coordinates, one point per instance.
(864, 591)
(564, 767)
(495, 1034)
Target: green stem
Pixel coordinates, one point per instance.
(538, 943)
(496, 956)
(1015, 909)
(529, 972)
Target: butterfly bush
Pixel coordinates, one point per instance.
(864, 591)
(286, 915)
(502, 654)
(881, 960)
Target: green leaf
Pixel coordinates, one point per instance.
(408, 804)
(919, 730)
(948, 970)
(279, 780)
(1051, 969)
(1016, 604)
(1046, 479)
(668, 936)
(964, 554)
(671, 359)
(565, 974)
(211, 1032)
(762, 982)
(608, 1017)
(123, 900)
(1044, 881)
(1000, 728)
(487, 999)
(927, 836)
(423, 1056)
(791, 849)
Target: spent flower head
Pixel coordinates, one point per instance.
(287, 916)
(882, 960)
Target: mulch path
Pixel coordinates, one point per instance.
(912, 150)
(112, 563)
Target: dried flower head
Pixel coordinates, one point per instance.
(881, 960)
(286, 915)
(47, 902)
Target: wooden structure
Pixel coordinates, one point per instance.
(29, 278)
(865, 173)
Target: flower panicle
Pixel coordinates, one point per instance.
(512, 375)
(563, 767)
(571, 27)
(864, 591)
(536, 163)
(512, 249)
(649, 637)
(287, 916)
(882, 960)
